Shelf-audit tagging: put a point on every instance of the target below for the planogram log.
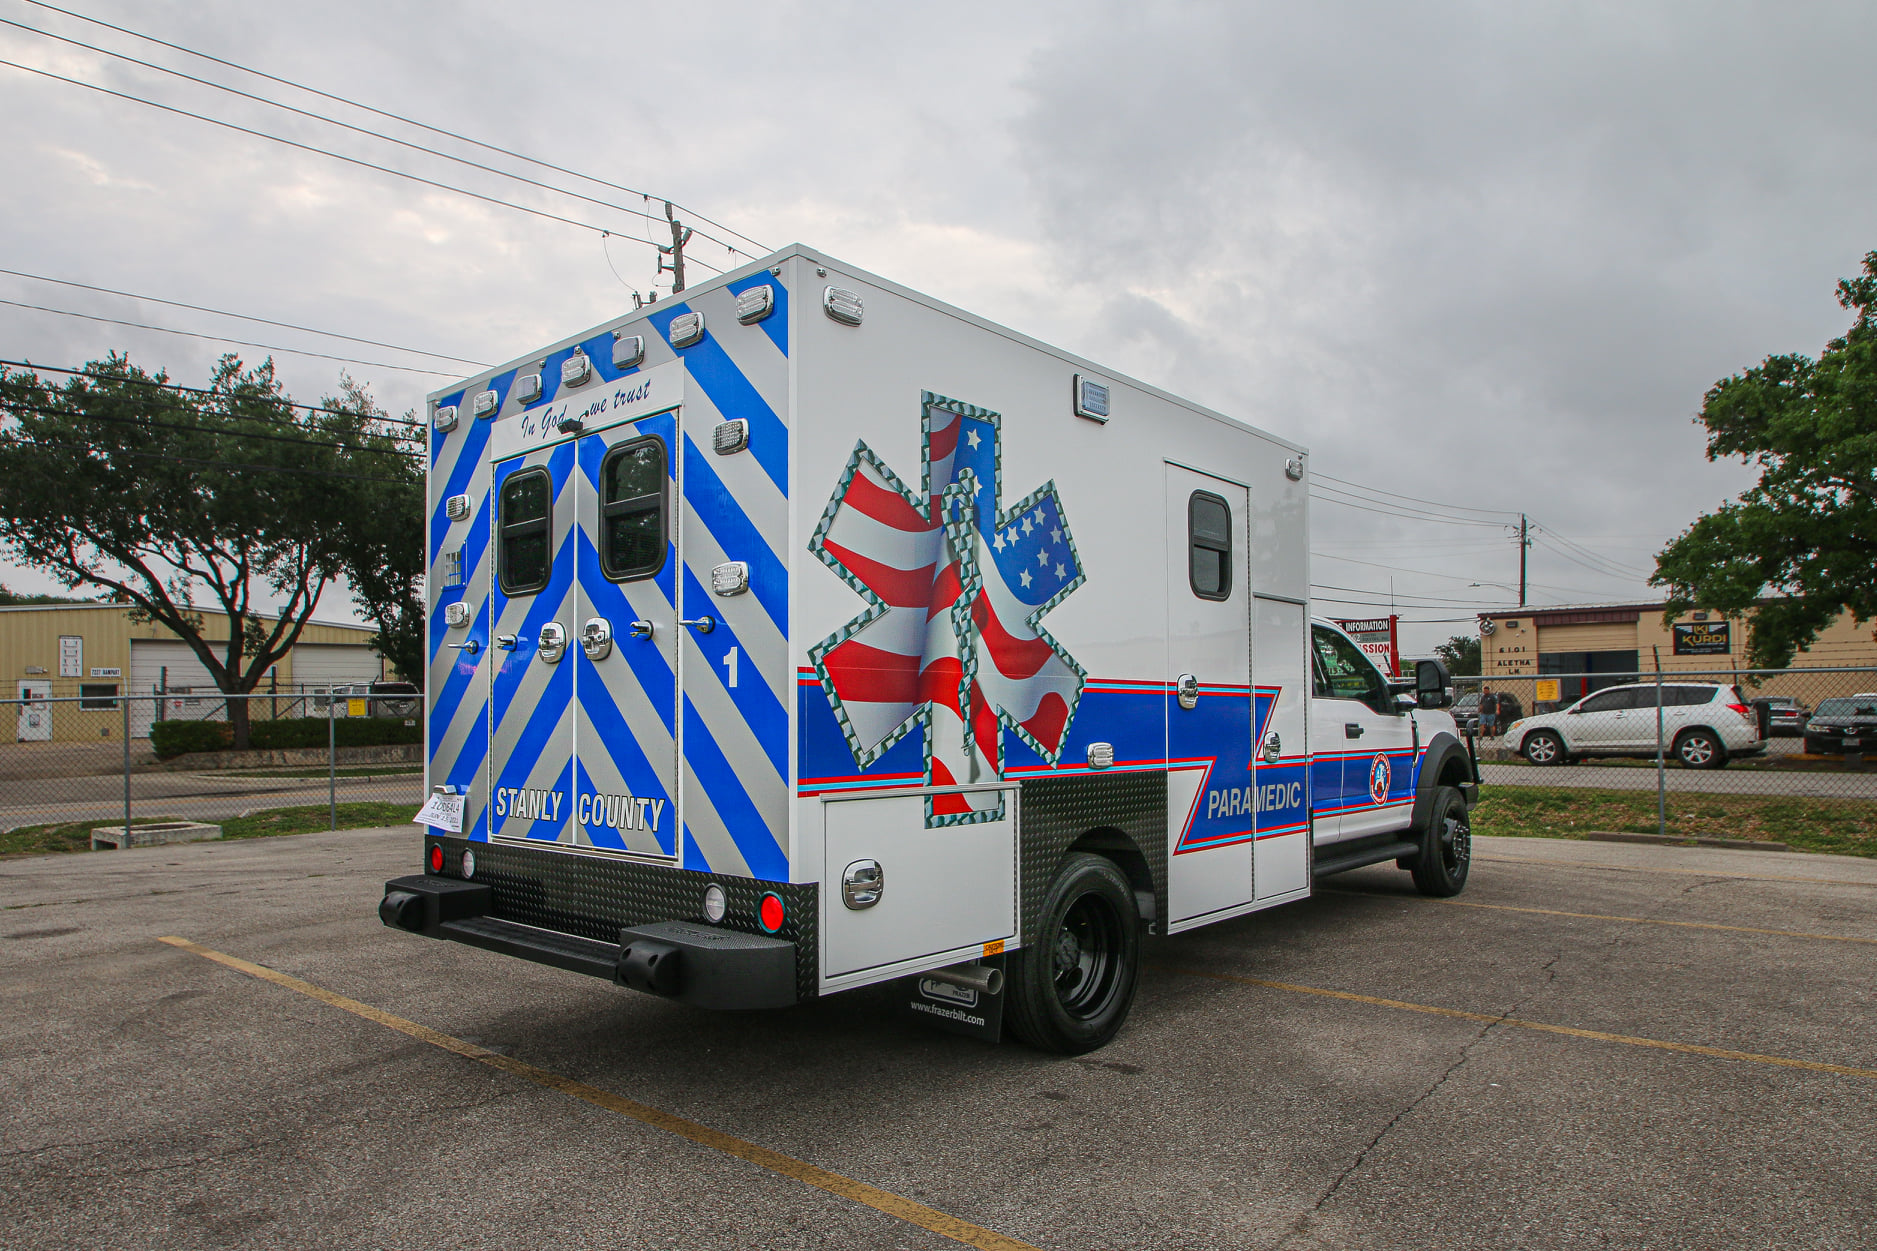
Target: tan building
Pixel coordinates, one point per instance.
(1581, 642)
(95, 652)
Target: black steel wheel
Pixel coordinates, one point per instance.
(1070, 991)
(1701, 749)
(1446, 846)
(1543, 747)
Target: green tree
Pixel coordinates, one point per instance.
(1460, 654)
(1800, 547)
(186, 502)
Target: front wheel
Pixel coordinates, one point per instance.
(1700, 749)
(1071, 989)
(1446, 846)
(1542, 747)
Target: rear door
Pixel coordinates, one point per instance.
(1210, 793)
(531, 686)
(625, 655)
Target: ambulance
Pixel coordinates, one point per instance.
(802, 632)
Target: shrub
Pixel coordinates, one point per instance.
(173, 738)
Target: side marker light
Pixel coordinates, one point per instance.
(770, 914)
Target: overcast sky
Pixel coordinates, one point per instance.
(1484, 255)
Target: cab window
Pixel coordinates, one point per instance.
(1209, 543)
(632, 510)
(1343, 672)
(526, 531)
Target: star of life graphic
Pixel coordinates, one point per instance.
(956, 588)
(1378, 780)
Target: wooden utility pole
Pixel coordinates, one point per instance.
(671, 259)
(1524, 543)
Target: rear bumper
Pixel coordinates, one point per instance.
(683, 960)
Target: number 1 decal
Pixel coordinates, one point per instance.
(729, 663)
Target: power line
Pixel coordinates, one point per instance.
(318, 151)
(150, 424)
(213, 338)
(1496, 512)
(222, 312)
(1389, 512)
(396, 117)
(333, 121)
(177, 386)
(213, 464)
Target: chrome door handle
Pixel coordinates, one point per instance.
(596, 638)
(469, 645)
(506, 642)
(640, 629)
(1188, 689)
(1352, 729)
(703, 625)
(553, 642)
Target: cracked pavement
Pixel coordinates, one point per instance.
(154, 1099)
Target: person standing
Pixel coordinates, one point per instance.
(1488, 713)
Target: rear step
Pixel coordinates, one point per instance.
(563, 951)
(1357, 857)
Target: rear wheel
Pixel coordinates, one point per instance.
(1543, 747)
(1700, 749)
(1446, 846)
(1071, 989)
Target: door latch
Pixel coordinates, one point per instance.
(552, 644)
(1188, 691)
(703, 625)
(596, 638)
(505, 642)
(469, 645)
(640, 629)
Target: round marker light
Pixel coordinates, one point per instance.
(715, 905)
(770, 914)
(436, 858)
(469, 864)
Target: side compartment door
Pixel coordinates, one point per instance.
(1281, 767)
(626, 654)
(531, 682)
(1210, 798)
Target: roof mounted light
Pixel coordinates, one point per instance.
(686, 329)
(528, 388)
(628, 350)
(755, 304)
(456, 507)
(485, 404)
(730, 578)
(730, 437)
(843, 305)
(444, 419)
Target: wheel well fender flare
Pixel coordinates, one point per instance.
(1445, 764)
(1118, 846)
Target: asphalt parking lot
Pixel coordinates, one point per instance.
(1607, 1046)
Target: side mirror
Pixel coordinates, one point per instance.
(1432, 685)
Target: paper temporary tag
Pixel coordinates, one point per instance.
(443, 812)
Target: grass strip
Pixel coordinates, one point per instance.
(1846, 827)
(38, 840)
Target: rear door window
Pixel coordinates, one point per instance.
(632, 510)
(526, 531)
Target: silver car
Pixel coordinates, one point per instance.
(1703, 725)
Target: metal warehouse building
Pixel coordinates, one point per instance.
(96, 652)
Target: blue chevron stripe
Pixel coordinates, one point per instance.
(473, 548)
(753, 698)
(544, 719)
(437, 439)
(748, 830)
(647, 663)
(449, 700)
(736, 534)
(638, 773)
(598, 835)
(776, 325)
(712, 369)
(694, 857)
(468, 461)
(546, 830)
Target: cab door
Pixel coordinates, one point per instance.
(1374, 739)
(1210, 792)
(531, 683)
(625, 657)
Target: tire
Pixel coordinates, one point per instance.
(1700, 749)
(1543, 747)
(1070, 991)
(1446, 846)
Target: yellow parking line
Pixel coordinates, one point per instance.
(834, 1183)
(1601, 916)
(1637, 868)
(1487, 1018)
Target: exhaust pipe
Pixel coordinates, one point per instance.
(981, 978)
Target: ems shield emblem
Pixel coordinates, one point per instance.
(1378, 780)
(956, 587)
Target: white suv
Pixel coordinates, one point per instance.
(1703, 725)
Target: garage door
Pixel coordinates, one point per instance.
(192, 692)
(334, 664)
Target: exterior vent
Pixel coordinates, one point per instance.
(686, 329)
(453, 574)
(730, 437)
(628, 350)
(575, 370)
(755, 304)
(843, 305)
(444, 419)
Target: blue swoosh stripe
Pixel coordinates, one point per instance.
(645, 659)
(758, 704)
(638, 773)
(746, 825)
(598, 835)
(547, 717)
(437, 439)
(776, 325)
(736, 534)
(710, 366)
(467, 462)
(473, 548)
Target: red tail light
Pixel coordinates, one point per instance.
(436, 858)
(770, 913)
(1743, 710)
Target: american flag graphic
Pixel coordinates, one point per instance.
(956, 588)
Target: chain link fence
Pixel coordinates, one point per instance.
(89, 762)
(1764, 755)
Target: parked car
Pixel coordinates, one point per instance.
(1785, 716)
(1848, 724)
(1466, 712)
(1704, 725)
(395, 699)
